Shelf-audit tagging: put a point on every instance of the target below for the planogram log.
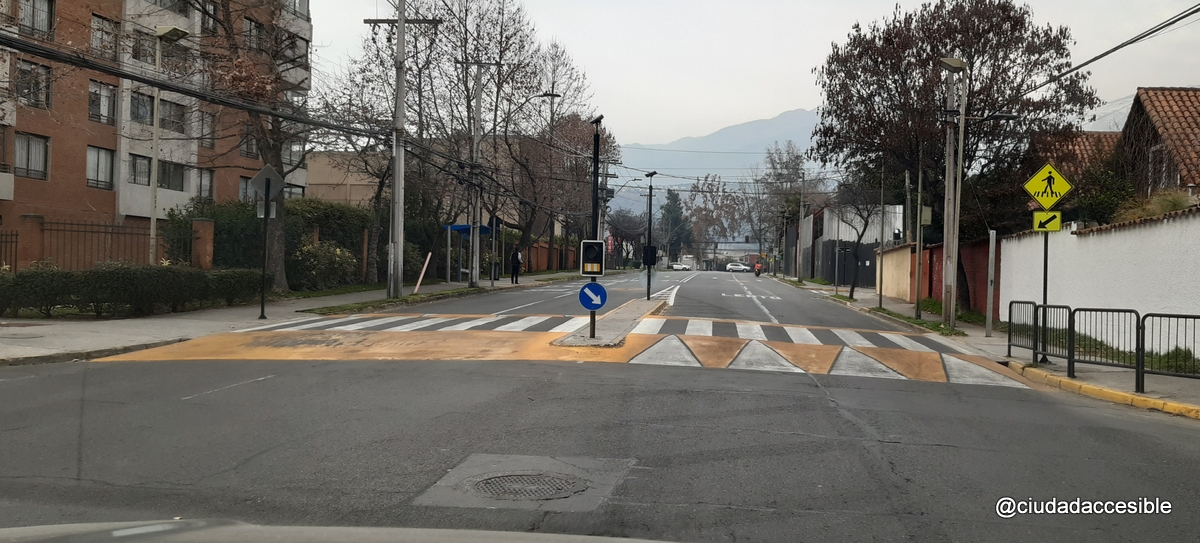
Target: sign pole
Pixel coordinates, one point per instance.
(1045, 289)
(592, 335)
(262, 295)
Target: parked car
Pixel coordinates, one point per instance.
(737, 267)
(679, 266)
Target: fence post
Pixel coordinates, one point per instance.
(365, 250)
(202, 243)
(30, 238)
(1036, 334)
(316, 234)
(1071, 344)
(1139, 372)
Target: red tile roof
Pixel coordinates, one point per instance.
(1175, 112)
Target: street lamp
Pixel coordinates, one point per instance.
(649, 230)
(170, 34)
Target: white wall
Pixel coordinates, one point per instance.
(1148, 267)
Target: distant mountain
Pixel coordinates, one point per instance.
(729, 152)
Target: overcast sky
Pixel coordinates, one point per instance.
(665, 69)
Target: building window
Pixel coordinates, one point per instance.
(204, 188)
(177, 58)
(292, 153)
(293, 191)
(37, 18)
(208, 130)
(296, 55)
(141, 108)
(208, 18)
(102, 102)
(33, 84)
(245, 191)
(173, 116)
(142, 48)
(104, 38)
(297, 7)
(252, 33)
(100, 168)
(33, 153)
(249, 145)
(170, 175)
(174, 6)
(139, 170)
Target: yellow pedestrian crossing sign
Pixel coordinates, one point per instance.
(1047, 221)
(1048, 187)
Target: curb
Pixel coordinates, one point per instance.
(1106, 394)
(86, 355)
(620, 340)
(884, 317)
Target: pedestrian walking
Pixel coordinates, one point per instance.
(515, 260)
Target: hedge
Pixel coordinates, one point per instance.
(113, 288)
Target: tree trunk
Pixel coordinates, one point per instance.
(277, 246)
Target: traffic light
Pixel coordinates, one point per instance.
(649, 255)
(592, 261)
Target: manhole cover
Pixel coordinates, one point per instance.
(525, 486)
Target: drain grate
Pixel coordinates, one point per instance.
(525, 486)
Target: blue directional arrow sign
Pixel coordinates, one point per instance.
(592, 296)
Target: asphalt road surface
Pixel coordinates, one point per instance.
(659, 452)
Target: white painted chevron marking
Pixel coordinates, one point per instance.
(669, 351)
(852, 362)
(963, 372)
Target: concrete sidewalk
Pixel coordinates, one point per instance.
(1174, 395)
(39, 341)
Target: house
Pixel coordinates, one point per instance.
(1161, 139)
(79, 148)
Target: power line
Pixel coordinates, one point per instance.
(690, 151)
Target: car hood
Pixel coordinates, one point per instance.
(226, 531)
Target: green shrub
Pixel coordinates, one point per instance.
(44, 288)
(235, 286)
(322, 265)
(7, 292)
(931, 305)
(180, 285)
(102, 288)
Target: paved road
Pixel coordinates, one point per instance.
(693, 455)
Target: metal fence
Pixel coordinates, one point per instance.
(1108, 337)
(1053, 331)
(80, 245)
(1156, 343)
(1022, 321)
(8, 249)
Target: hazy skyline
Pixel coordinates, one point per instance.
(661, 70)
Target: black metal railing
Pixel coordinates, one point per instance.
(1022, 321)
(1107, 337)
(1156, 343)
(80, 245)
(8, 250)
(1053, 331)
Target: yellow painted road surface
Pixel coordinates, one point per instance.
(700, 343)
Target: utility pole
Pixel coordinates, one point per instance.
(882, 216)
(920, 228)
(907, 218)
(949, 266)
(476, 136)
(395, 286)
(650, 231)
(596, 179)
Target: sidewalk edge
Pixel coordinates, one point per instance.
(884, 317)
(566, 340)
(1105, 393)
(435, 298)
(86, 355)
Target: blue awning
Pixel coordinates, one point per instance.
(466, 228)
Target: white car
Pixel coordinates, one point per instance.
(679, 266)
(737, 267)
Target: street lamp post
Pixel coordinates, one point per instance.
(170, 34)
(649, 230)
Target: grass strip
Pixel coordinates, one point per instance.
(928, 325)
(372, 305)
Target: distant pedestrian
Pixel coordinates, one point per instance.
(515, 260)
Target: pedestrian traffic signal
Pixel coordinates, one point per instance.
(591, 262)
(649, 255)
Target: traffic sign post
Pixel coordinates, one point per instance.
(1047, 187)
(268, 183)
(593, 297)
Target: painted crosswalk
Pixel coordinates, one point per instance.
(431, 322)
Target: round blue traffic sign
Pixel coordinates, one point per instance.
(592, 296)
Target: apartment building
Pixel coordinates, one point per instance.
(78, 145)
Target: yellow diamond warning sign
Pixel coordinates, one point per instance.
(1047, 221)
(1048, 187)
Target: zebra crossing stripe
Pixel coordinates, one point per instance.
(802, 336)
(371, 322)
(697, 327)
(909, 344)
(522, 324)
(317, 324)
(417, 325)
(853, 339)
(950, 344)
(470, 324)
(648, 326)
(750, 331)
(571, 325)
(284, 325)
